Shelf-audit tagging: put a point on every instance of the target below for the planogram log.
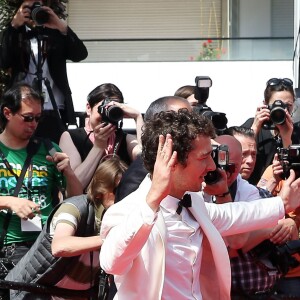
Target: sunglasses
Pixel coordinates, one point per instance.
(278, 81)
(27, 118)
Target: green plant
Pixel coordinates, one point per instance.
(210, 52)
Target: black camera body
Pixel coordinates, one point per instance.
(277, 114)
(220, 154)
(290, 159)
(277, 257)
(218, 119)
(38, 14)
(112, 114)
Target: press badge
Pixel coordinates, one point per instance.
(34, 224)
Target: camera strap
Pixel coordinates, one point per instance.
(32, 148)
(49, 146)
(119, 137)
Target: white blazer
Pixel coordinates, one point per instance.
(134, 248)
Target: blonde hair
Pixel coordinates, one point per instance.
(106, 178)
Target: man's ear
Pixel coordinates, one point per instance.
(6, 112)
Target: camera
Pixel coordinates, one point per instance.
(277, 257)
(218, 119)
(112, 114)
(220, 155)
(290, 159)
(203, 83)
(38, 14)
(277, 114)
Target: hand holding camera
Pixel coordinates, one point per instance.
(220, 156)
(278, 111)
(290, 160)
(22, 16)
(277, 168)
(284, 231)
(113, 112)
(101, 134)
(262, 115)
(37, 14)
(219, 188)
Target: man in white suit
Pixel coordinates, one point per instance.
(159, 249)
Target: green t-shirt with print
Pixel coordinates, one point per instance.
(38, 186)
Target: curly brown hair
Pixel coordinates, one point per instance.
(184, 127)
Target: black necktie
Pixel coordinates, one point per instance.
(186, 201)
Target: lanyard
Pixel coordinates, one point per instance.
(30, 172)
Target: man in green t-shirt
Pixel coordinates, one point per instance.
(21, 110)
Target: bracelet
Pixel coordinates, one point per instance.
(224, 194)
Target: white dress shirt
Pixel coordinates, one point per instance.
(31, 75)
(183, 253)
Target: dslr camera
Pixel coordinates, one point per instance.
(277, 257)
(219, 120)
(112, 114)
(277, 114)
(290, 159)
(38, 14)
(220, 155)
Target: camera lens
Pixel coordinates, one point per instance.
(212, 177)
(277, 115)
(39, 15)
(114, 114)
(219, 120)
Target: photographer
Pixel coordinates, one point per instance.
(100, 137)
(197, 96)
(272, 178)
(187, 92)
(34, 50)
(250, 278)
(282, 134)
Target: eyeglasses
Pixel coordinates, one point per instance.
(27, 118)
(278, 81)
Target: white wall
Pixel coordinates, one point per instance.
(237, 86)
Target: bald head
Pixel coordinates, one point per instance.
(235, 154)
(175, 103)
(166, 103)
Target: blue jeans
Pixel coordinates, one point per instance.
(289, 286)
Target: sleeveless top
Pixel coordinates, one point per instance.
(84, 144)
